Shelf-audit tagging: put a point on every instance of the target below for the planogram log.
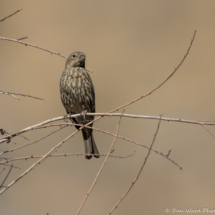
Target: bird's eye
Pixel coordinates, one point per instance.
(74, 56)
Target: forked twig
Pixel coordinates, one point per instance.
(99, 172)
(132, 184)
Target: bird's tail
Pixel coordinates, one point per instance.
(89, 143)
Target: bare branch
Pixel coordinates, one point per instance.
(10, 15)
(7, 160)
(129, 189)
(13, 94)
(99, 172)
(38, 126)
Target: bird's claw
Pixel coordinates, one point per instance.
(65, 118)
(83, 113)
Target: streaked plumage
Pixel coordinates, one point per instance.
(77, 95)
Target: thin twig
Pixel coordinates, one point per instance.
(208, 130)
(1, 170)
(99, 172)
(132, 184)
(13, 94)
(10, 15)
(16, 167)
(22, 38)
(7, 160)
(6, 176)
(28, 44)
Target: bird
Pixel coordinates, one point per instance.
(78, 96)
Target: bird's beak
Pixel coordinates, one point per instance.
(83, 58)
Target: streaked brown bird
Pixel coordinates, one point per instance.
(77, 95)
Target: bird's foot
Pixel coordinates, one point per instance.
(65, 118)
(83, 113)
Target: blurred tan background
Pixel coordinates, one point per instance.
(131, 46)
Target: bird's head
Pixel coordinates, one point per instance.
(76, 59)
